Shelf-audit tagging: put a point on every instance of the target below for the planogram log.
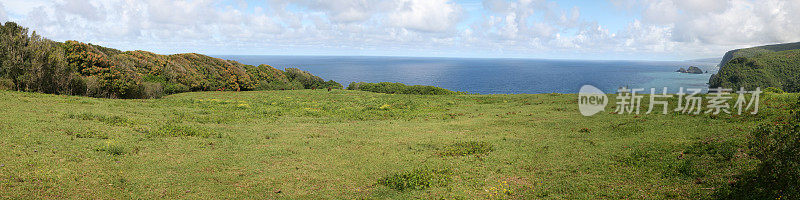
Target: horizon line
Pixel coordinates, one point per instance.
(453, 57)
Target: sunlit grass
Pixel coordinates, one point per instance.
(353, 144)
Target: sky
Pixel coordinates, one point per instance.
(544, 29)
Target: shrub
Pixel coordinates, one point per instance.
(308, 80)
(150, 90)
(279, 85)
(467, 148)
(268, 78)
(296, 85)
(777, 146)
(773, 90)
(6, 84)
(778, 149)
(417, 179)
(77, 85)
(399, 88)
(174, 88)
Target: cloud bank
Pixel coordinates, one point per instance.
(655, 29)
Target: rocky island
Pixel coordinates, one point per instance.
(691, 70)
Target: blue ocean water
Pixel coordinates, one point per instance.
(494, 76)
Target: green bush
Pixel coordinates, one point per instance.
(399, 88)
(279, 85)
(309, 81)
(773, 90)
(417, 179)
(6, 84)
(777, 147)
(150, 90)
(77, 85)
(174, 88)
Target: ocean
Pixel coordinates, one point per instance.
(494, 76)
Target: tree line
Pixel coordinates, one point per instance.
(29, 62)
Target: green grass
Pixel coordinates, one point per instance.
(417, 179)
(354, 144)
(172, 130)
(467, 148)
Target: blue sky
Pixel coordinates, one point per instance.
(551, 29)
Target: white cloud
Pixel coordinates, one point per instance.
(674, 28)
(425, 15)
(181, 12)
(3, 15)
(346, 10)
(726, 22)
(81, 8)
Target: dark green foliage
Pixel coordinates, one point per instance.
(310, 81)
(399, 88)
(467, 148)
(777, 146)
(774, 90)
(271, 78)
(755, 51)
(764, 66)
(6, 84)
(31, 63)
(417, 179)
(777, 69)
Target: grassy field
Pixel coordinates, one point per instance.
(320, 144)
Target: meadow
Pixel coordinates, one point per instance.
(361, 145)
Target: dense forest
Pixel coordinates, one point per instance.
(759, 67)
(29, 62)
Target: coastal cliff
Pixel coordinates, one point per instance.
(775, 66)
